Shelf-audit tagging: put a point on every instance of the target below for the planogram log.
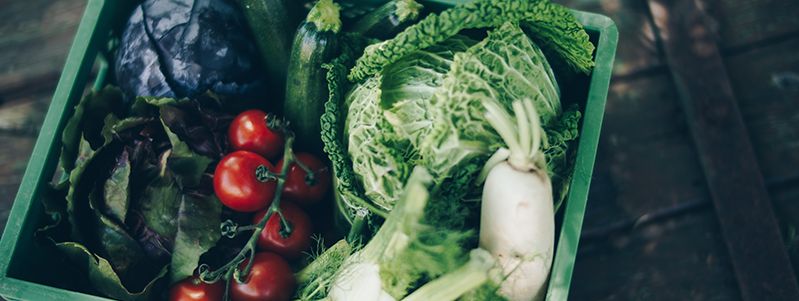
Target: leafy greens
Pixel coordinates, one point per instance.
(134, 208)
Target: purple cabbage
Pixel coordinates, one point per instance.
(182, 48)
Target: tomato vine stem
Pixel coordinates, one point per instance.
(231, 271)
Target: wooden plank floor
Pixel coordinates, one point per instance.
(650, 232)
(648, 166)
(35, 36)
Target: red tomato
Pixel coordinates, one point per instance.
(270, 279)
(249, 131)
(192, 289)
(301, 188)
(238, 185)
(274, 237)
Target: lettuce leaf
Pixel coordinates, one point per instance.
(103, 277)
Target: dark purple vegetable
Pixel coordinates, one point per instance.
(182, 48)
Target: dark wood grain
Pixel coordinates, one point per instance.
(645, 146)
(744, 23)
(681, 258)
(766, 83)
(35, 36)
(733, 177)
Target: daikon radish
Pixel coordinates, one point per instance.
(517, 223)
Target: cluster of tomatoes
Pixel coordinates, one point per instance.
(245, 180)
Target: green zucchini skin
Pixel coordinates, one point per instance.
(306, 85)
(388, 20)
(273, 23)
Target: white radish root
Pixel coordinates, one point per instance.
(517, 226)
(517, 222)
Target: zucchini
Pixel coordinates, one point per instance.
(389, 19)
(315, 43)
(273, 23)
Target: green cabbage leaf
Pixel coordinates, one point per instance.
(551, 22)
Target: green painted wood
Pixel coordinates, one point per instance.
(566, 252)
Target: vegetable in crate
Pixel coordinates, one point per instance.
(273, 23)
(315, 43)
(257, 132)
(421, 99)
(517, 224)
(288, 234)
(403, 253)
(242, 181)
(137, 213)
(182, 48)
(270, 279)
(388, 19)
(408, 105)
(192, 289)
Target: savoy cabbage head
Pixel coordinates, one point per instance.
(418, 99)
(427, 108)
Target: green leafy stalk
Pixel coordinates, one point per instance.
(402, 251)
(555, 21)
(473, 274)
(315, 279)
(523, 139)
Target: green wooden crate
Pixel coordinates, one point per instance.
(26, 269)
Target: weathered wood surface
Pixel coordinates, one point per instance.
(766, 83)
(742, 203)
(681, 258)
(647, 164)
(35, 36)
(747, 24)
